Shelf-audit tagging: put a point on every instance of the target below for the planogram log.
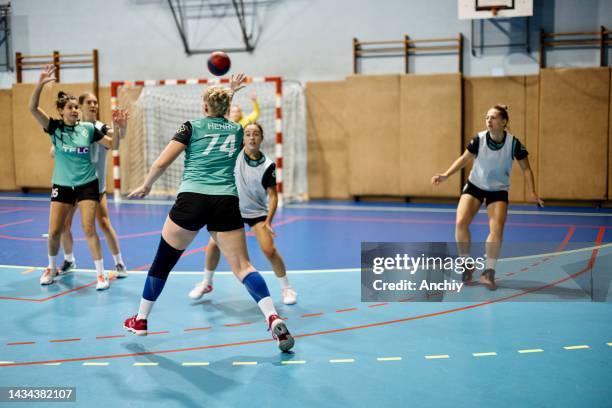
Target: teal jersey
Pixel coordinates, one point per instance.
(213, 145)
(72, 144)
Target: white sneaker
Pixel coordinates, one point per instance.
(48, 276)
(200, 290)
(102, 283)
(120, 271)
(289, 296)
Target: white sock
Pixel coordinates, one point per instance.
(284, 281)
(53, 262)
(68, 257)
(208, 276)
(118, 259)
(490, 263)
(99, 267)
(267, 307)
(144, 309)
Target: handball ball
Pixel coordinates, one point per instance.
(218, 63)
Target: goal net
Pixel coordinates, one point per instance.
(158, 108)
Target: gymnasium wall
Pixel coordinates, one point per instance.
(300, 40)
(574, 133)
(7, 162)
(402, 129)
(327, 140)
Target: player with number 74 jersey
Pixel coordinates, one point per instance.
(213, 145)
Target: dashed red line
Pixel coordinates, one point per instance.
(198, 328)
(524, 269)
(20, 343)
(63, 340)
(510, 273)
(379, 304)
(158, 332)
(237, 324)
(535, 264)
(312, 314)
(110, 337)
(352, 309)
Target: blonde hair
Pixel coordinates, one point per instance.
(219, 99)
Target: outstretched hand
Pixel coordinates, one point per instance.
(140, 192)
(237, 82)
(120, 117)
(47, 74)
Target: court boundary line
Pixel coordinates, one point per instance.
(318, 271)
(336, 207)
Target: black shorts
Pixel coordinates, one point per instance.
(252, 221)
(193, 211)
(72, 195)
(482, 195)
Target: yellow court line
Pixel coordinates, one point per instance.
(583, 346)
(609, 344)
(28, 271)
(485, 354)
(145, 364)
(530, 351)
(287, 362)
(52, 364)
(196, 363)
(438, 356)
(343, 360)
(388, 358)
(90, 363)
(241, 363)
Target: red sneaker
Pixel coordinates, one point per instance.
(138, 327)
(280, 333)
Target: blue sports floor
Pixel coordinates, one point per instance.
(516, 347)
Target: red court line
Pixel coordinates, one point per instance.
(237, 324)
(110, 337)
(63, 340)
(8, 224)
(157, 332)
(198, 328)
(312, 314)
(352, 309)
(11, 210)
(379, 304)
(20, 343)
(319, 333)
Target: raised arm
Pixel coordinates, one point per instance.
(528, 174)
(47, 74)
(165, 159)
(254, 115)
(460, 163)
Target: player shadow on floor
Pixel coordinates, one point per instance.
(202, 378)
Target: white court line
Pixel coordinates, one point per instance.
(196, 364)
(241, 363)
(388, 359)
(437, 357)
(583, 346)
(318, 271)
(289, 362)
(337, 270)
(531, 351)
(89, 363)
(342, 360)
(146, 364)
(343, 207)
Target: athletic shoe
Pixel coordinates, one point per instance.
(120, 271)
(48, 276)
(67, 266)
(280, 333)
(200, 290)
(102, 283)
(488, 279)
(138, 327)
(289, 296)
(466, 276)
